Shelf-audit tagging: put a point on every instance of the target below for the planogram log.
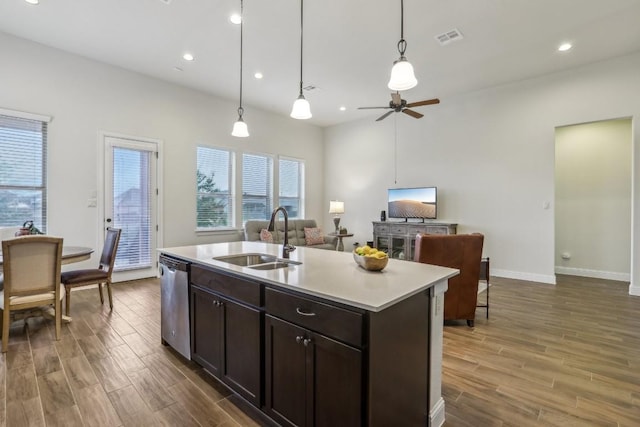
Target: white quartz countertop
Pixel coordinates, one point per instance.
(323, 273)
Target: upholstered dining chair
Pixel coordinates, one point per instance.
(461, 251)
(95, 276)
(31, 278)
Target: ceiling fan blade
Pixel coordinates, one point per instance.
(395, 97)
(427, 102)
(371, 108)
(384, 116)
(412, 113)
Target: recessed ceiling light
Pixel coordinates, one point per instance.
(235, 19)
(33, 1)
(258, 75)
(188, 57)
(564, 47)
(343, 108)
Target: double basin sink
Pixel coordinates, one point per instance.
(257, 261)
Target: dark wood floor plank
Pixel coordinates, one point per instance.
(203, 410)
(26, 413)
(96, 408)
(55, 393)
(46, 360)
(151, 391)
(109, 374)
(79, 373)
(129, 405)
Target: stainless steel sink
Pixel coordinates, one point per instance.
(257, 261)
(274, 265)
(244, 260)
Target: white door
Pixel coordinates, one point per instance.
(131, 204)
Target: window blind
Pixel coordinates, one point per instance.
(23, 185)
(132, 207)
(291, 175)
(257, 187)
(214, 180)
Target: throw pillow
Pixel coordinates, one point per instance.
(313, 236)
(266, 236)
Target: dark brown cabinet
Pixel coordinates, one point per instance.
(227, 341)
(311, 380)
(308, 361)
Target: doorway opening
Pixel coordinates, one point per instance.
(593, 199)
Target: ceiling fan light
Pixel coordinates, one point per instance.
(402, 75)
(240, 129)
(301, 109)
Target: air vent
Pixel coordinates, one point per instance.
(449, 37)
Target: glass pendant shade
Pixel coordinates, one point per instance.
(301, 109)
(402, 75)
(240, 129)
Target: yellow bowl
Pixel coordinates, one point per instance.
(370, 263)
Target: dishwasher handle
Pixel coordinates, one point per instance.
(173, 264)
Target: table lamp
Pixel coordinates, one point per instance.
(336, 208)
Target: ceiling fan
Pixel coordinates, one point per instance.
(400, 105)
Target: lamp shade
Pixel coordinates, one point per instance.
(240, 129)
(402, 75)
(336, 207)
(301, 109)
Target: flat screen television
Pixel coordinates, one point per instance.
(420, 203)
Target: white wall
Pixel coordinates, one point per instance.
(85, 97)
(593, 199)
(491, 155)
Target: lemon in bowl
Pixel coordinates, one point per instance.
(370, 259)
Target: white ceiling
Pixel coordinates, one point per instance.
(349, 46)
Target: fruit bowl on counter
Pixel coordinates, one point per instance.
(370, 259)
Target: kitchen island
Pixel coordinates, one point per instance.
(319, 341)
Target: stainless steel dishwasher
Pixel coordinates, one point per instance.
(174, 304)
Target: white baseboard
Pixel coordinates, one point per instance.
(531, 277)
(436, 414)
(597, 274)
(634, 290)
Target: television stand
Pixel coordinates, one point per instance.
(398, 238)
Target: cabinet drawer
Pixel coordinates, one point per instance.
(380, 228)
(436, 230)
(415, 229)
(398, 229)
(230, 286)
(326, 319)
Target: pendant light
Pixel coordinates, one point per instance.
(240, 127)
(402, 76)
(301, 108)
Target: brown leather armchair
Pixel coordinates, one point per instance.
(461, 251)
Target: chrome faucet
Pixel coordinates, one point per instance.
(286, 247)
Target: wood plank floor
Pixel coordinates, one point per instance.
(565, 355)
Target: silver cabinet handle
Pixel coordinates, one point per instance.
(306, 341)
(304, 313)
(299, 339)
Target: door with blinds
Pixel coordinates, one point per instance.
(131, 204)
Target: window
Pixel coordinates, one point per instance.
(214, 174)
(23, 182)
(291, 177)
(257, 187)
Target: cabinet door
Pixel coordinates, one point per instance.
(242, 350)
(338, 383)
(286, 373)
(206, 330)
